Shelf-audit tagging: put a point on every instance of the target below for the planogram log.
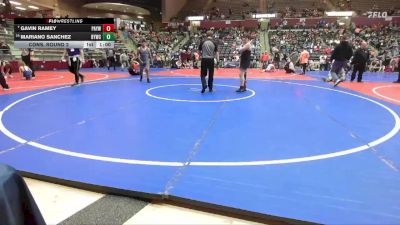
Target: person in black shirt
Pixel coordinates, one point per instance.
(277, 59)
(245, 58)
(209, 50)
(341, 54)
(3, 82)
(360, 59)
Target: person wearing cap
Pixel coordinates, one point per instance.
(208, 51)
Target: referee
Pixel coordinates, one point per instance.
(360, 60)
(75, 61)
(209, 51)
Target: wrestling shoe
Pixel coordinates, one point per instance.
(337, 82)
(241, 89)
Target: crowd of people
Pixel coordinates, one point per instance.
(305, 49)
(382, 42)
(292, 12)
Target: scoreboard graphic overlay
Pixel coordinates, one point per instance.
(64, 33)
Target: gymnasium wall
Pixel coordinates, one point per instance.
(171, 8)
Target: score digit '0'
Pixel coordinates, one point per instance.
(108, 28)
(108, 36)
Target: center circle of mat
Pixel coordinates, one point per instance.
(250, 93)
(384, 138)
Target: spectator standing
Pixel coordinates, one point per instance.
(3, 81)
(110, 58)
(304, 56)
(323, 62)
(124, 60)
(264, 60)
(277, 59)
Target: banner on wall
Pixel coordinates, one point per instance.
(377, 14)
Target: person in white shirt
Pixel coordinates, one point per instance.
(270, 68)
(289, 67)
(323, 65)
(124, 60)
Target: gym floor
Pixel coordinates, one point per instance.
(291, 146)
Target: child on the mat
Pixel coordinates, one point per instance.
(134, 68)
(25, 71)
(289, 66)
(270, 68)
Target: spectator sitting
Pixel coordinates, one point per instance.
(376, 66)
(289, 67)
(4, 48)
(178, 64)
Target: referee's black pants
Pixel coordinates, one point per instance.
(360, 69)
(111, 62)
(207, 66)
(75, 68)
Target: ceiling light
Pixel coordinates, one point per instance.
(33, 7)
(195, 18)
(265, 15)
(15, 3)
(140, 17)
(20, 8)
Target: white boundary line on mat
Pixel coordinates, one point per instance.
(375, 90)
(376, 142)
